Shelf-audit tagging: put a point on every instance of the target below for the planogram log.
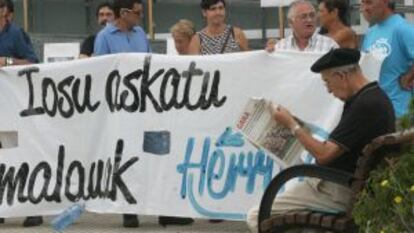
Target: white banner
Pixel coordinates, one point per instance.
(146, 134)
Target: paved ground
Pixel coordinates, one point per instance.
(90, 223)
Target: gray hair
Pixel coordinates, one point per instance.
(346, 68)
(184, 27)
(294, 4)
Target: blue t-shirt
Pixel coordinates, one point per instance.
(14, 43)
(393, 39)
(111, 40)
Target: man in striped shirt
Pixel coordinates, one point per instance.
(302, 20)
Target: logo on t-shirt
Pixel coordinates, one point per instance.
(381, 48)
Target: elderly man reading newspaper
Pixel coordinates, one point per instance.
(367, 113)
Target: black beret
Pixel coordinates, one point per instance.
(336, 58)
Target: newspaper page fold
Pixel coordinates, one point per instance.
(256, 123)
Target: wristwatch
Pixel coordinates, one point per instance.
(295, 129)
(9, 61)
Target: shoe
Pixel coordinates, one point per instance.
(1, 220)
(33, 221)
(167, 220)
(131, 220)
(216, 220)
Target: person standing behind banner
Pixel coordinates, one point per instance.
(10, 17)
(104, 15)
(182, 33)
(217, 37)
(14, 48)
(302, 19)
(124, 35)
(391, 37)
(333, 20)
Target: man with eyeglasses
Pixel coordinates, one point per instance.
(124, 35)
(14, 46)
(302, 20)
(104, 15)
(367, 113)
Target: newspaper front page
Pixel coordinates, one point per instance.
(256, 123)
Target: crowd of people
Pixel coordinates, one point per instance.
(371, 108)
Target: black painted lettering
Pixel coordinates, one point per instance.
(10, 182)
(117, 181)
(66, 98)
(80, 107)
(31, 110)
(146, 83)
(175, 83)
(75, 165)
(130, 88)
(47, 173)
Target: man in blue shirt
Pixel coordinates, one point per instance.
(104, 15)
(14, 47)
(391, 37)
(123, 36)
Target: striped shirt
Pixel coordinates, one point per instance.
(214, 45)
(317, 43)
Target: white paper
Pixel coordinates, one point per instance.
(275, 3)
(57, 52)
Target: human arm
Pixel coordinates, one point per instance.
(323, 151)
(27, 54)
(195, 46)
(13, 61)
(241, 39)
(22, 53)
(270, 45)
(407, 79)
(406, 40)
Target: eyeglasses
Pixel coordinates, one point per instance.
(304, 16)
(137, 13)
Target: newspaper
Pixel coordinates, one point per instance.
(256, 123)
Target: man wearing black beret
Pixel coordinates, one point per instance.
(367, 113)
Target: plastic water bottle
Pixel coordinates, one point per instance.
(67, 217)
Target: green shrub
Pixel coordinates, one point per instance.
(387, 203)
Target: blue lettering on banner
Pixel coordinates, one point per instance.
(227, 139)
(227, 168)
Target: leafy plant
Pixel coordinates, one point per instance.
(387, 203)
